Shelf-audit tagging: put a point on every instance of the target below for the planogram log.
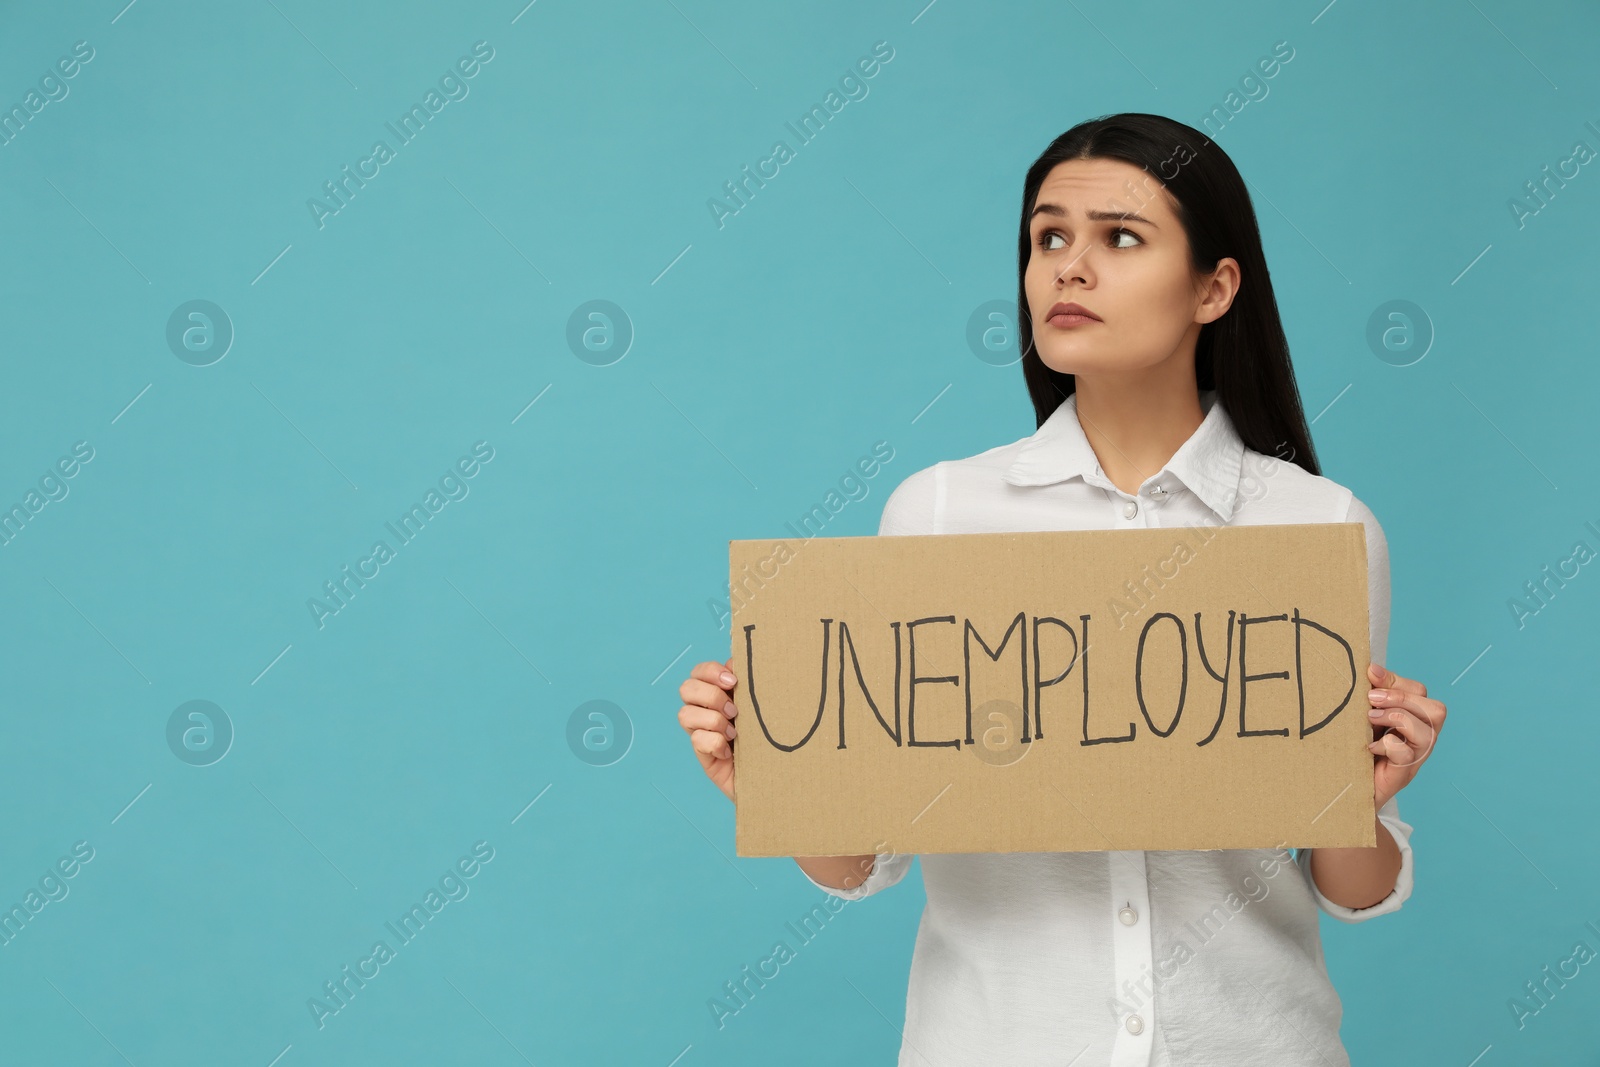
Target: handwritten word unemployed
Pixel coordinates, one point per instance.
(1030, 689)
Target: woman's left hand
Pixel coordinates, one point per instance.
(1413, 722)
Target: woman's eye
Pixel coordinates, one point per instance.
(1048, 236)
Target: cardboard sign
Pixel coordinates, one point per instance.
(1180, 688)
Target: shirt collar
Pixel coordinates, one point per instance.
(1208, 464)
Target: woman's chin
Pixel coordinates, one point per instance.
(1070, 362)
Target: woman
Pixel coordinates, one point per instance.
(1161, 379)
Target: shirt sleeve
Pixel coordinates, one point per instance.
(1389, 818)
(910, 509)
(887, 869)
(1389, 813)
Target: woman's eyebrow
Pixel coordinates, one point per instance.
(1093, 215)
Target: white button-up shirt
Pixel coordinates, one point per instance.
(1132, 959)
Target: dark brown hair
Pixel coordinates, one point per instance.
(1243, 355)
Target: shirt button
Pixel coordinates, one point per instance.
(1134, 1024)
(1128, 916)
(1130, 509)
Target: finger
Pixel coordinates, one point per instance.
(705, 695)
(1427, 709)
(1409, 740)
(708, 743)
(692, 717)
(708, 674)
(1383, 678)
(1424, 708)
(1413, 730)
(1392, 746)
(721, 674)
(701, 672)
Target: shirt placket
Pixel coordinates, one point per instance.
(1133, 959)
(1128, 909)
(1134, 512)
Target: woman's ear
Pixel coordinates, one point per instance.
(1218, 289)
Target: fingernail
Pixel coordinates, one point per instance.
(728, 679)
(733, 731)
(729, 710)
(1376, 713)
(1379, 694)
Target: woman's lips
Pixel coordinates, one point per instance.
(1065, 321)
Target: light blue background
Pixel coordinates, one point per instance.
(769, 355)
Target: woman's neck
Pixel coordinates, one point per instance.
(1135, 427)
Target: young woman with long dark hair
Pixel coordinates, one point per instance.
(1164, 393)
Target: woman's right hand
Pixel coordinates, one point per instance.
(707, 715)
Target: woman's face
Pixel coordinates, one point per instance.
(1104, 235)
